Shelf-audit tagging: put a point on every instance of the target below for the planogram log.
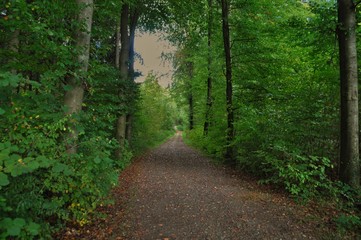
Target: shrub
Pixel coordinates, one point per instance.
(303, 176)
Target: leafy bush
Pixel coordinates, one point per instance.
(40, 185)
(303, 176)
(348, 222)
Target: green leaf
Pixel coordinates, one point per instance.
(15, 227)
(59, 167)
(67, 88)
(2, 111)
(4, 180)
(3, 155)
(97, 160)
(33, 165)
(15, 166)
(44, 161)
(33, 228)
(50, 33)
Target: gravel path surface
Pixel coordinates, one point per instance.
(179, 194)
(173, 192)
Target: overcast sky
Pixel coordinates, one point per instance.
(150, 47)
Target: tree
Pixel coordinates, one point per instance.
(134, 15)
(209, 66)
(349, 154)
(229, 91)
(124, 70)
(74, 96)
(190, 70)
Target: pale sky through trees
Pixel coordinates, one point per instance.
(150, 47)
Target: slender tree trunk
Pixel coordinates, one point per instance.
(190, 95)
(74, 97)
(124, 39)
(124, 72)
(132, 28)
(13, 46)
(120, 134)
(133, 25)
(229, 91)
(128, 129)
(117, 46)
(349, 152)
(209, 79)
(191, 111)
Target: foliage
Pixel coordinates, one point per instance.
(285, 83)
(42, 187)
(38, 181)
(348, 222)
(155, 117)
(302, 176)
(285, 90)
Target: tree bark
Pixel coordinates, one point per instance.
(133, 26)
(117, 46)
(124, 40)
(13, 46)
(209, 79)
(120, 135)
(189, 65)
(128, 130)
(349, 152)
(191, 111)
(122, 65)
(74, 96)
(229, 91)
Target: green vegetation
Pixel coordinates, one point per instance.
(257, 86)
(57, 163)
(285, 95)
(155, 116)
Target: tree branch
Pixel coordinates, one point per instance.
(357, 3)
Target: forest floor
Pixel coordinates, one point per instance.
(174, 192)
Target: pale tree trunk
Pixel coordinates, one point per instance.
(74, 97)
(209, 79)
(349, 152)
(124, 72)
(229, 92)
(13, 46)
(128, 130)
(120, 134)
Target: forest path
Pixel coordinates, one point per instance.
(173, 192)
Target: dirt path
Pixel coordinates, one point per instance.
(173, 192)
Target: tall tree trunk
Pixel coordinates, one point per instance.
(124, 72)
(209, 79)
(117, 46)
(13, 46)
(229, 93)
(74, 97)
(190, 95)
(124, 40)
(349, 152)
(191, 111)
(133, 25)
